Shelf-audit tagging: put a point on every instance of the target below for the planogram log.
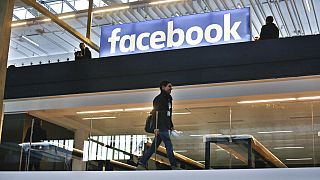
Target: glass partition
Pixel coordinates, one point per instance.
(255, 135)
(127, 140)
(281, 132)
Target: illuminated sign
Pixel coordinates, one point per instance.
(176, 33)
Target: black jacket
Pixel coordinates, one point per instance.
(269, 31)
(161, 104)
(83, 55)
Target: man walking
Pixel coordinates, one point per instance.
(163, 105)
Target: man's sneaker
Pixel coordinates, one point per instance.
(141, 167)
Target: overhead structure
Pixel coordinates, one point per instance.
(293, 17)
(61, 23)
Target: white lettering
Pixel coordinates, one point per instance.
(132, 42)
(199, 37)
(174, 37)
(154, 39)
(207, 33)
(233, 30)
(113, 39)
(171, 32)
(140, 46)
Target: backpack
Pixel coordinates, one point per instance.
(151, 123)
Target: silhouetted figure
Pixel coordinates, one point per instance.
(270, 30)
(84, 53)
(38, 135)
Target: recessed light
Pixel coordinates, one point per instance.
(181, 151)
(273, 132)
(138, 109)
(298, 147)
(308, 98)
(266, 100)
(96, 118)
(67, 16)
(181, 113)
(100, 111)
(18, 24)
(299, 159)
(162, 2)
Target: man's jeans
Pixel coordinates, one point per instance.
(165, 137)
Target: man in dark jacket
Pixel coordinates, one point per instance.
(84, 52)
(163, 105)
(270, 30)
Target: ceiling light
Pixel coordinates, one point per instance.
(138, 109)
(299, 159)
(199, 135)
(100, 111)
(67, 16)
(162, 2)
(30, 41)
(181, 113)
(273, 132)
(95, 118)
(220, 150)
(46, 20)
(196, 135)
(308, 98)
(18, 24)
(181, 151)
(308, 5)
(111, 9)
(267, 100)
(289, 147)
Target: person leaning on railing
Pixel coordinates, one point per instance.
(84, 53)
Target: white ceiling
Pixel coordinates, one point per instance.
(294, 17)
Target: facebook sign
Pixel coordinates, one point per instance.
(176, 33)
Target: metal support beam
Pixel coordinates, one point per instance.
(207, 155)
(48, 7)
(61, 23)
(295, 10)
(6, 11)
(70, 5)
(89, 21)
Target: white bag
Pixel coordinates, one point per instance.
(175, 133)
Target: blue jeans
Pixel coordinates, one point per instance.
(165, 137)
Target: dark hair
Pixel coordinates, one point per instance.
(164, 83)
(269, 19)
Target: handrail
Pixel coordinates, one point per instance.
(111, 147)
(256, 146)
(178, 156)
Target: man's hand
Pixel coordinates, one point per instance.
(156, 131)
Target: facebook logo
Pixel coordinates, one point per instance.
(176, 33)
